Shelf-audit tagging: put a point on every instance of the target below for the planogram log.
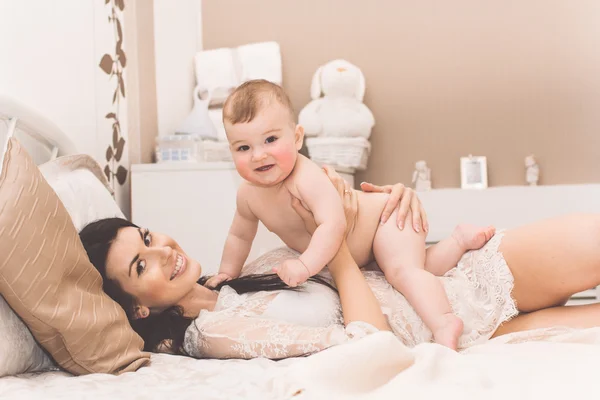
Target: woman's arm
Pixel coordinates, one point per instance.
(356, 297)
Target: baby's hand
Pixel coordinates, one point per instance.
(292, 272)
(217, 279)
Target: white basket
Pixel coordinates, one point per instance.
(216, 151)
(341, 152)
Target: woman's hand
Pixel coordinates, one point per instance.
(349, 202)
(404, 199)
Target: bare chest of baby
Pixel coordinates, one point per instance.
(273, 208)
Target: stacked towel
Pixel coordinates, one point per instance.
(260, 61)
(216, 74)
(220, 71)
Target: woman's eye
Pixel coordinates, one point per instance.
(271, 139)
(147, 239)
(243, 148)
(141, 266)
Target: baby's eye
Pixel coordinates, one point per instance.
(243, 148)
(141, 266)
(271, 139)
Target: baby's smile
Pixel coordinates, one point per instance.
(265, 168)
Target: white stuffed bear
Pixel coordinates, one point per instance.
(341, 112)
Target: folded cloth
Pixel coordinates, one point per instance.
(216, 116)
(260, 61)
(216, 74)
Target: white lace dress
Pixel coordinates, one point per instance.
(285, 324)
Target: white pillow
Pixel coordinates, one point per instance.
(19, 352)
(82, 187)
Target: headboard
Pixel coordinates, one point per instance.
(43, 140)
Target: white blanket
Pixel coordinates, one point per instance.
(560, 363)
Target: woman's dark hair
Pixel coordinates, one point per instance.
(168, 326)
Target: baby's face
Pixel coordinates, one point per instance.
(265, 149)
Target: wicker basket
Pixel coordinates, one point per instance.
(341, 152)
(216, 151)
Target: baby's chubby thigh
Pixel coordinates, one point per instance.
(397, 251)
(360, 239)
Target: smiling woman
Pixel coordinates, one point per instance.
(154, 280)
(155, 271)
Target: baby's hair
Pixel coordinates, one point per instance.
(250, 97)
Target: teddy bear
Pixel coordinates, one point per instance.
(340, 112)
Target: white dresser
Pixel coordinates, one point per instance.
(507, 207)
(194, 203)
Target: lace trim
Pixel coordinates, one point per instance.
(478, 288)
(488, 273)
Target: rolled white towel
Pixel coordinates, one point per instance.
(260, 61)
(216, 74)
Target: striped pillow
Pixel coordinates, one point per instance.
(47, 279)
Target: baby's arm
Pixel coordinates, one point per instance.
(317, 192)
(239, 240)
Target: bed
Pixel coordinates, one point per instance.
(557, 364)
(549, 363)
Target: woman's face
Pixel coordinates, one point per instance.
(151, 267)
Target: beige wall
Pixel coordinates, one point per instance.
(445, 79)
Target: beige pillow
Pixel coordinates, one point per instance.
(47, 279)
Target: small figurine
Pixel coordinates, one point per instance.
(422, 176)
(532, 171)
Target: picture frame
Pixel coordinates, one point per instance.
(473, 172)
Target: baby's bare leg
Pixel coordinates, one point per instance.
(444, 255)
(401, 256)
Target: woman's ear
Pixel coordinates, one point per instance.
(315, 86)
(140, 312)
(299, 136)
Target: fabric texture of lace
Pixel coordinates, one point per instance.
(263, 324)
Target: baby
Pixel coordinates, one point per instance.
(264, 141)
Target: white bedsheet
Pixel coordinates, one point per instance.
(559, 363)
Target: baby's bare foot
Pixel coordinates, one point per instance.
(471, 237)
(449, 331)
